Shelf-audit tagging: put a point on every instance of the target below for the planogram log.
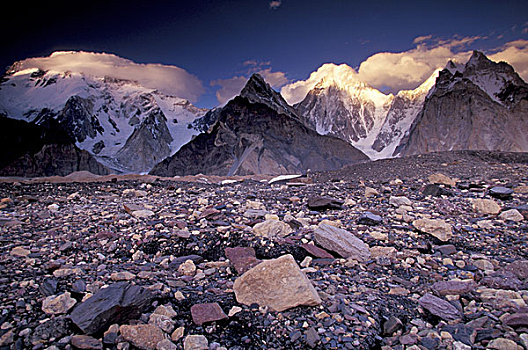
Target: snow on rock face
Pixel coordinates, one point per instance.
(100, 112)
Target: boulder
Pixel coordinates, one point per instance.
(342, 242)
(279, 284)
(117, 303)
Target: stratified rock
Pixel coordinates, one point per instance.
(519, 319)
(117, 303)
(242, 258)
(342, 242)
(277, 283)
(323, 203)
(486, 206)
(142, 336)
(454, 287)
(208, 312)
(435, 227)
(58, 304)
(195, 342)
(501, 192)
(272, 228)
(86, 342)
(439, 307)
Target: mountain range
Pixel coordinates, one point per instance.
(126, 127)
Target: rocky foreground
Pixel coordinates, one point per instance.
(417, 253)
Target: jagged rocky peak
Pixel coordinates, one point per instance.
(257, 90)
(482, 107)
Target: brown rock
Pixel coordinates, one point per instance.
(486, 206)
(277, 283)
(242, 258)
(316, 251)
(142, 336)
(208, 312)
(454, 287)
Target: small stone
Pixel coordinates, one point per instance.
(312, 337)
(122, 276)
(370, 192)
(177, 334)
(370, 219)
(142, 214)
(242, 258)
(342, 242)
(399, 201)
(86, 342)
(272, 229)
(511, 215)
(166, 344)
(454, 287)
(165, 310)
(503, 344)
(207, 312)
(234, 310)
(142, 336)
(486, 206)
(435, 227)
(188, 268)
(439, 307)
(392, 325)
(501, 192)
(320, 203)
(58, 304)
(278, 284)
(442, 179)
(195, 342)
(163, 322)
(20, 252)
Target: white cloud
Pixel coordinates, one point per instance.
(516, 54)
(275, 4)
(170, 80)
(231, 87)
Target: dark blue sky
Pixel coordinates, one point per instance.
(212, 39)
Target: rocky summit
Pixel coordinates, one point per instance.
(366, 257)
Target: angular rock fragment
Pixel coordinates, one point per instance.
(398, 201)
(207, 312)
(486, 206)
(519, 319)
(511, 215)
(117, 303)
(454, 287)
(242, 258)
(369, 219)
(435, 227)
(324, 203)
(142, 336)
(58, 304)
(277, 283)
(342, 242)
(272, 229)
(86, 342)
(195, 342)
(442, 179)
(439, 307)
